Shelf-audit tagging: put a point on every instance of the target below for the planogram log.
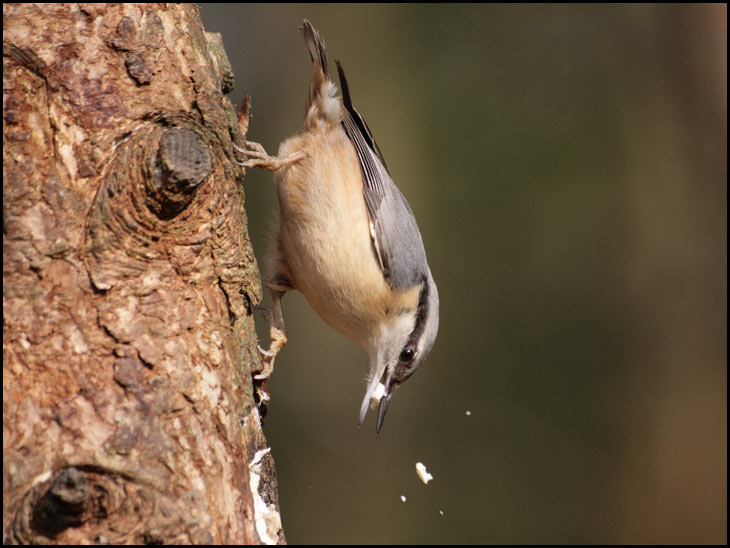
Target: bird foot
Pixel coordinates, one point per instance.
(256, 156)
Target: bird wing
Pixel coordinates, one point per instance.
(393, 230)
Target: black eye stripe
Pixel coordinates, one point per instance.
(420, 317)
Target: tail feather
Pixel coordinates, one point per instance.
(317, 50)
(323, 106)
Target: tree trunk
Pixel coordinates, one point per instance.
(128, 285)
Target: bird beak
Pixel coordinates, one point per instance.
(366, 400)
(383, 409)
(385, 379)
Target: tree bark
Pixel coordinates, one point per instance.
(128, 284)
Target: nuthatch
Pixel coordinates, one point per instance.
(347, 238)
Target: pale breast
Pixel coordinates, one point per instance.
(324, 232)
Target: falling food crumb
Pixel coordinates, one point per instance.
(403, 498)
(468, 413)
(423, 473)
(441, 512)
(378, 394)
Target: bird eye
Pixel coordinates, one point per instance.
(407, 355)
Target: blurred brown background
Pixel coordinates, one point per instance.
(567, 166)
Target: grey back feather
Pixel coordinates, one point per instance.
(397, 241)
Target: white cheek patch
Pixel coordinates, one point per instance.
(402, 326)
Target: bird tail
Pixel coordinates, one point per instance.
(324, 108)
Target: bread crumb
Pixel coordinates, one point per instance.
(423, 473)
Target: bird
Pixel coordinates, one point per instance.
(347, 238)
